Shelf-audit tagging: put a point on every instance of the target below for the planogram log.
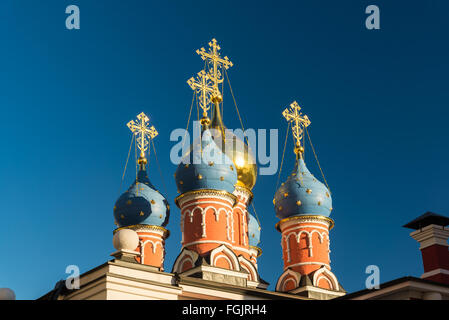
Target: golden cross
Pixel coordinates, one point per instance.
(143, 132)
(213, 57)
(299, 123)
(204, 87)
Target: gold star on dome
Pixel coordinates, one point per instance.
(299, 122)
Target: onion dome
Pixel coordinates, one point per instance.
(302, 194)
(141, 204)
(253, 231)
(238, 151)
(206, 167)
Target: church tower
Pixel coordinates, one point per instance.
(142, 208)
(303, 205)
(241, 155)
(214, 181)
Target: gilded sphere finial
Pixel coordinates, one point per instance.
(217, 98)
(142, 160)
(205, 120)
(299, 150)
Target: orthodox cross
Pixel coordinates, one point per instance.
(143, 132)
(204, 87)
(299, 122)
(213, 57)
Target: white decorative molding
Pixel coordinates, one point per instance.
(232, 227)
(154, 247)
(228, 228)
(217, 213)
(190, 213)
(321, 237)
(185, 255)
(203, 223)
(228, 200)
(308, 263)
(183, 216)
(307, 226)
(329, 282)
(221, 251)
(325, 272)
(149, 236)
(310, 246)
(249, 266)
(211, 202)
(322, 223)
(151, 229)
(223, 256)
(298, 239)
(244, 226)
(280, 285)
(203, 211)
(217, 242)
(243, 195)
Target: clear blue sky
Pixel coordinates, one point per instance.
(377, 100)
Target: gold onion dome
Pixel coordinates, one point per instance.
(238, 151)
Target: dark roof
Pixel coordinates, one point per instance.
(390, 284)
(426, 219)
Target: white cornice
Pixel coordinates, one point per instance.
(434, 272)
(205, 194)
(228, 272)
(318, 290)
(217, 242)
(307, 263)
(431, 235)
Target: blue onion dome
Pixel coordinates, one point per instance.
(302, 194)
(253, 231)
(205, 167)
(141, 204)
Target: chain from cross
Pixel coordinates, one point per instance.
(204, 87)
(213, 57)
(299, 121)
(143, 132)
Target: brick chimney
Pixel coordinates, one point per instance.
(432, 233)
